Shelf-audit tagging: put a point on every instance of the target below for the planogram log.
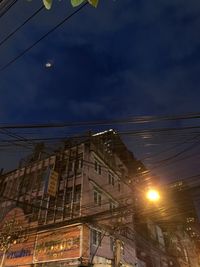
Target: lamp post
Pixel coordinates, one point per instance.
(12, 233)
(148, 202)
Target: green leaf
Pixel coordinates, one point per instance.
(93, 2)
(47, 3)
(76, 2)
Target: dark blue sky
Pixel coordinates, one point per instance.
(125, 58)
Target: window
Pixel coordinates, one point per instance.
(36, 202)
(59, 204)
(8, 188)
(37, 180)
(14, 192)
(97, 198)
(96, 237)
(51, 208)
(112, 206)
(24, 185)
(68, 197)
(2, 188)
(79, 162)
(71, 166)
(77, 194)
(43, 210)
(67, 211)
(97, 166)
(111, 179)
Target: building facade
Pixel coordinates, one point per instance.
(75, 204)
(80, 206)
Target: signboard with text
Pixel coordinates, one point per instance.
(51, 182)
(59, 244)
(20, 254)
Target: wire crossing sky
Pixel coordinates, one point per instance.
(127, 65)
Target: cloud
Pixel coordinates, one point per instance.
(127, 57)
(123, 59)
(86, 109)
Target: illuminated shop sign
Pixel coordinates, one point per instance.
(20, 254)
(60, 244)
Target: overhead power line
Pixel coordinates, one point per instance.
(41, 38)
(171, 148)
(19, 27)
(5, 6)
(133, 120)
(194, 145)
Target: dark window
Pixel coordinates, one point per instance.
(2, 188)
(96, 237)
(68, 198)
(112, 206)
(97, 166)
(36, 202)
(43, 210)
(71, 166)
(77, 195)
(97, 198)
(59, 205)
(111, 179)
(51, 207)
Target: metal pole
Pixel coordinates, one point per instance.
(117, 258)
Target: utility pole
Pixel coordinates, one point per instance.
(117, 257)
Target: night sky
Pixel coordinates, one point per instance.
(126, 58)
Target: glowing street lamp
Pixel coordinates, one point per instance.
(153, 195)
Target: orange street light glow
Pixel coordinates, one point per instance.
(153, 195)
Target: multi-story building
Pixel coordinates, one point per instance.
(76, 203)
(82, 206)
(167, 232)
(183, 232)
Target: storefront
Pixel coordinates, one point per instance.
(58, 247)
